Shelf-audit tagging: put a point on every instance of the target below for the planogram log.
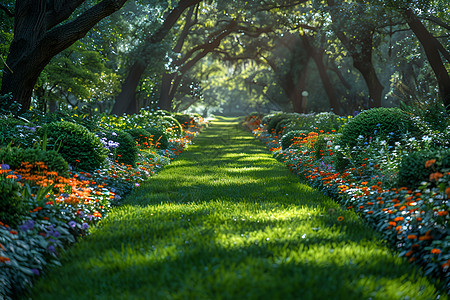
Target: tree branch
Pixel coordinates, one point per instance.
(63, 36)
(60, 10)
(437, 21)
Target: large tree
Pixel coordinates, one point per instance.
(43, 29)
(126, 100)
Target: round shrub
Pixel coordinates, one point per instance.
(320, 146)
(12, 205)
(14, 156)
(413, 172)
(127, 150)
(283, 124)
(140, 135)
(385, 122)
(289, 138)
(183, 119)
(76, 144)
(328, 121)
(175, 125)
(272, 124)
(159, 137)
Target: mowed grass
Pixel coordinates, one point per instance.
(226, 221)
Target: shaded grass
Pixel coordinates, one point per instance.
(226, 221)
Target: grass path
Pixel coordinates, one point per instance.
(226, 221)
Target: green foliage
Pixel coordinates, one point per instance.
(127, 151)
(289, 138)
(273, 122)
(320, 146)
(390, 123)
(232, 234)
(14, 156)
(80, 147)
(159, 137)
(183, 119)
(12, 205)
(413, 171)
(140, 135)
(81, 73)
(175, 125)
(328, 121)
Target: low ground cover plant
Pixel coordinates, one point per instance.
(399, 183)
(47, 204)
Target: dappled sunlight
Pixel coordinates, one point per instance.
(227, 226)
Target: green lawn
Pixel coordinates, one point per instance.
(226, 221)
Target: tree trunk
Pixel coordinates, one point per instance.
(38, 37)
(317, 56)
(126, 100)
(165, 101)
(431, 47)
(367, 70)
(359, 44)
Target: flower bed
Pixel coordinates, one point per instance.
(414, 221)
(62, 209)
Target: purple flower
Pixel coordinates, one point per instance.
(56, 234)
(72, 224)
(4, 167)
(35, 272)
(52, 249)
(85, 226)
(29, 224)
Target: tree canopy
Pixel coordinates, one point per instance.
(118, 56)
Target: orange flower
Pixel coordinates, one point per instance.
(435, 251)
(370, 212)
(447, 191)
(398, 228)
(340, 218)
(412, 237)
(392, 223)
(446, 265)
(409, 253)
(429, 163)
(13, 232)
(436, 176)
(4, 259)
(442, 213)
(3, 248)
(398, 219)
(425, 237)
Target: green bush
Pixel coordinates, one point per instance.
(80, 147)
(320, 146)
(159, 137)
(389, 123)
(175, 125)
(413, 172)
(328, 121)
(138, 134)
(14, 156)
(283, 124)
(127, 151)
(12, 206)
(289, 138)
(272, 124)
(17, 132)
(183, 119)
